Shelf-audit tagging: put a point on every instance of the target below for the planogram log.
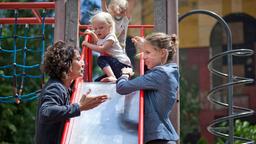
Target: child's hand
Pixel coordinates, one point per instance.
(84, 43)
(92, 34)
(89, 32)
(127, 71)
(138, 41)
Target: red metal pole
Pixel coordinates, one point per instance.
(87, 56)
(84, 57)
(48, 20)
(67, 124)
(90, 62)
(141, 106)
(27, 5)
(37, 14)
(141, 99)
(78, 80)
(141, 26)
(130, 26)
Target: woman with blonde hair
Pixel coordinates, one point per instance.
(160, 84)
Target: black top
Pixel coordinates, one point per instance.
(53, 110)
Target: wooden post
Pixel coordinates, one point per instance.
(66, 21)
(166, 20)
(160, 15)
(59, 20)
(172, 28)
(72, 22)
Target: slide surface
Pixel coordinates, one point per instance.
(113, 122)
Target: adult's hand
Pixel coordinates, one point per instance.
(89, 102)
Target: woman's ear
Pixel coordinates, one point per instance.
(164, 52)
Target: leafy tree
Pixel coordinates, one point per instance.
(242, 129)
(189, 111)
(18, 120)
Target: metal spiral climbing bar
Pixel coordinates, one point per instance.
(236, 80)
(18, 71)
(233, 111)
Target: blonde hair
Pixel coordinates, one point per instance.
(118, 6)
(106, 18)
(163, 41)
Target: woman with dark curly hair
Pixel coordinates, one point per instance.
(63, 65)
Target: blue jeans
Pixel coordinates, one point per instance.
(115, 65)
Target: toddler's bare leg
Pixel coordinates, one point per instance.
(111, 77)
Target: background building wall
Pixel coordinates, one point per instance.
(195, 30)
(195, 40)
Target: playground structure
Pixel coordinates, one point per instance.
(18, 78)
(86, 54)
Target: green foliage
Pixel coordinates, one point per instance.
(189, 107)
(202, 141)
(17, 122)
(242, 129)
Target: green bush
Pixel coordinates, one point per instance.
(189, 110)
(242, 129)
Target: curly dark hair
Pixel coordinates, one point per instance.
(58, 59)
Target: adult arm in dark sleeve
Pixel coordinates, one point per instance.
(53, 108)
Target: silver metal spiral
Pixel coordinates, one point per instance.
(236, 80)
(214, 128)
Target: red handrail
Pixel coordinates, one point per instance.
(83, 27)
(37, 15)
(141, 106)
(67, 124)
(141, 99)
(33, 6)
(88, 60)
(27, 5)
(27, 20)
(84, 56)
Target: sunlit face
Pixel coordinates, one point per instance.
(118, 12)
(101, 29)
(152, 56)
(77, 67)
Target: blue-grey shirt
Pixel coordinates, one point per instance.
(160, 85)
(53, 111)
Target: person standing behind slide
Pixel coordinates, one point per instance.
(121, 13)
(113, 57)
(160, 84)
